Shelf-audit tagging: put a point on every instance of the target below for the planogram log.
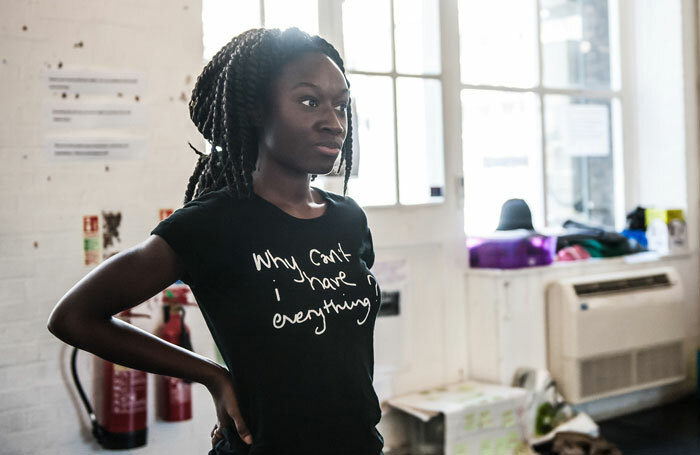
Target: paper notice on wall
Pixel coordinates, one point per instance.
(111, 82)
(94, 114)
(586, 130)
(391, 334)
(71, 114)
(392, 276)
(91, 239)
(391, 273)
(62, 149)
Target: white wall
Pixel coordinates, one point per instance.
(42, 203)
(655, 101)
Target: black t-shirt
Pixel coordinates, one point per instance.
(291, 304)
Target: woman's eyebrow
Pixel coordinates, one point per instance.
(314, 86)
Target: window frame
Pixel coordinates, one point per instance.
(330, 22)
(330, 27)
(542, 92)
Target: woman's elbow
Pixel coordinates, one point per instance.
(62, 325)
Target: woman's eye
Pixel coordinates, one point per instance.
(312, 102)
(343, 106)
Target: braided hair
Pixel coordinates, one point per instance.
(223, 101)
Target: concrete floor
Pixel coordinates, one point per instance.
(672, 429)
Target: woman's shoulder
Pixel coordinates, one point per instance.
(339, 199)
(345, 203)
(214, 199)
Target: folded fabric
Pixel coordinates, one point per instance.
(569, 443)
(597, 241)
(575, 443)
(573, 253)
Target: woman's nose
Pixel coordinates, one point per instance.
(333, 121)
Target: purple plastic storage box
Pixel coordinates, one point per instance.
(511, 252)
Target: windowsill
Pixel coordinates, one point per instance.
(644, 257)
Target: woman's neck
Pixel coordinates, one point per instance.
(285, 189)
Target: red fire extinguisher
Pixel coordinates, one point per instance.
(121, 400)
(175, 394)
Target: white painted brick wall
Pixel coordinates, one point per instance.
(42, 204)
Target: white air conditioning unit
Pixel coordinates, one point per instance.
(615, 333)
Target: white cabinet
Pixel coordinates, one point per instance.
(506, 317)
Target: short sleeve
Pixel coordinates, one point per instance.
(187, 231)
(175, 232)
(367, 246)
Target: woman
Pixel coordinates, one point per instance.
(280, 269)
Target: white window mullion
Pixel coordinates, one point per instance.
(543, 131)
(396, 122)
(330, 23)
(450, 76)
(262, 12)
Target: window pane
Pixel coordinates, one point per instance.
(417, 31)
(502, 150)
(576, 43)
(299, 13)
(421, 169)
(374, 100)
(367, 35)
(580, 173)
(498, 42)
(224, 19)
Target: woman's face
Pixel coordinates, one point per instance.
(305, 124)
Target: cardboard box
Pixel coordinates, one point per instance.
(467, 418)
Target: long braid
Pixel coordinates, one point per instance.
(222, 117)
(231, 141)
(246, 85)
(197, 171)
(227, 92)
(252, 72)
(200, 102)
(346, 153)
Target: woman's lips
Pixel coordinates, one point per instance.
(332, 151)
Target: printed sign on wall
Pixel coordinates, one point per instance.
(72, 114)
(92, 148)
(94, 114)
(102, 81)
(164, 213)
(91, 239)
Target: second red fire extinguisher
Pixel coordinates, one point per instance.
(119, 418)
(175, 394)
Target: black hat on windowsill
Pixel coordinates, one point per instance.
(515, 214)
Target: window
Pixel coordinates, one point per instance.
(224, 19)
(392, 59)
(540, 110)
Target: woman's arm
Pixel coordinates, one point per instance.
(84, 316)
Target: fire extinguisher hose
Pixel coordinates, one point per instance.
(97, 430)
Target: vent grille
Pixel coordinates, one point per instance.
(622, 285)
(606, 374)
(660, 362)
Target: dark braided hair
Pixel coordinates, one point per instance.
(223, 101)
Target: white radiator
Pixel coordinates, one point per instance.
(615, 333)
